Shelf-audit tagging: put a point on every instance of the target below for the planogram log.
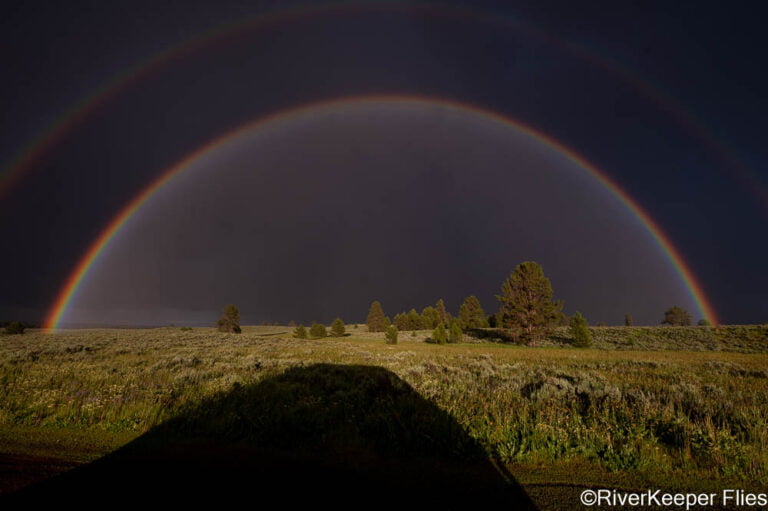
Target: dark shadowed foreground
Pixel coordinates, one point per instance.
(342, 435)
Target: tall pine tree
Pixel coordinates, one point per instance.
(414, 320)
(527, 309)
(400, 321)
(429, 318)
(471, 314)
(442, 313)
(376, 319)
(230, 320)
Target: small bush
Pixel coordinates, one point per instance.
(391, 334)
(579, 331)
(300, 332)
(337, 328)
(455, 335)
(14, 328)
(439, 334)
(317, 330)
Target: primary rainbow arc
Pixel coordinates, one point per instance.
(77, 276)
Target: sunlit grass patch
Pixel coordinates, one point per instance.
(679, 416)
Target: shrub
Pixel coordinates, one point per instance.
(300, 332)
(455, 334)
(391, 334)
(14, 328)
(579, 331)
(317, 330)
(337, 328)
(439, 335)
(677, 316)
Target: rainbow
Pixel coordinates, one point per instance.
(77, 276)
(71, 117)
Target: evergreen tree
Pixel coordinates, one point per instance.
(627, 320)
(317, 330)
(376, 319)
(300, 332)
(391, 334)
(439, 335)
(337, 328)
(414, 320)
(471, 314)
(401, 321)
(230, 320)
(442, 313)
(676, 316)
(579, 331)
(527, 308)
(454, 333)
(429, 318)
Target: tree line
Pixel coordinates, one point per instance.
(527, 312)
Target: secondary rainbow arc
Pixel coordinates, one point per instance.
(72, 116)
(78, 274)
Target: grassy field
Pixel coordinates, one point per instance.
(647, 407)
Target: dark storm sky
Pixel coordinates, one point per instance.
(668, 100)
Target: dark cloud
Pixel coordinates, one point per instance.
(632, 88)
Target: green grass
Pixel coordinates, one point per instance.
(625, 413)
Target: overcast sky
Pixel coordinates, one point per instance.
(315, 215)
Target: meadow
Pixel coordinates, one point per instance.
(679, 408)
